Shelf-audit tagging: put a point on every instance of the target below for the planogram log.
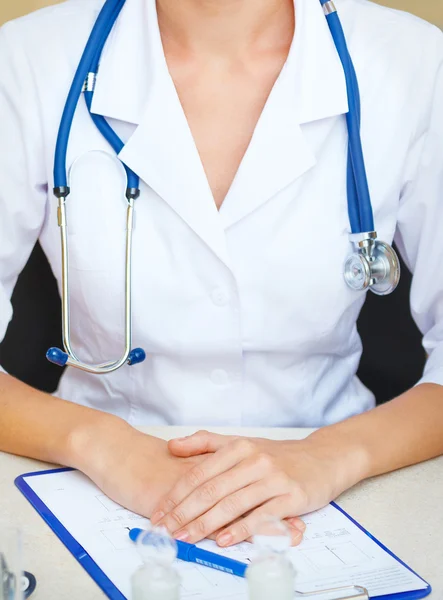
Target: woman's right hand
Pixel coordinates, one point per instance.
(134, 469)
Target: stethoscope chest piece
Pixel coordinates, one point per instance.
(374, 265)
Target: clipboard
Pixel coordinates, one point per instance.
(353, 592)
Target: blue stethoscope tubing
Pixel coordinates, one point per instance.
(359, 200)
(362, 269)
(89, 64)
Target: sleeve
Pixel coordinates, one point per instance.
(23, 190)
(419, 234)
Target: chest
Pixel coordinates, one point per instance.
(222, 108)
(285, 266)
(269, 265)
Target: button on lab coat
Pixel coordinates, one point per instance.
(243, 312)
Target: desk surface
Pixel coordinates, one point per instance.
(402, 509)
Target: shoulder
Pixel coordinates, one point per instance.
(49, 33)
(58, 17)
(398, 56)
(393, 34)
(390, 36)
(40, 51)
(382, 20)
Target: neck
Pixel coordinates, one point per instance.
(226, 28)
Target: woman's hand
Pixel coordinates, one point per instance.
(134, 469)
(244, 480)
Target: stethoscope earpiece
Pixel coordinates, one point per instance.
(374, 265)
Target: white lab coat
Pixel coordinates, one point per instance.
(243, 313)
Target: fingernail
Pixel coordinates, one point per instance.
(301, 526)
(298, 524)
(182, 536)
(225, 539)
(157, 516)
(182, 439)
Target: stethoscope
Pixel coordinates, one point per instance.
(373, 264)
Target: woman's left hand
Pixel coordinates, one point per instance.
(243, 480)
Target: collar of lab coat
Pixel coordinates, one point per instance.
(134, 85)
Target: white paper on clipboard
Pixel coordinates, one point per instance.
(334, 553)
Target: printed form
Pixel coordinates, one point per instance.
(335, 552)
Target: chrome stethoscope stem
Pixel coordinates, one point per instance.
(84, 83)
(72, 359)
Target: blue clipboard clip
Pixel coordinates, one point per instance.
(351, 592)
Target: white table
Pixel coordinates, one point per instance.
(403, 509)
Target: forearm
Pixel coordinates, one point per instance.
(37, 425)
(405, 431)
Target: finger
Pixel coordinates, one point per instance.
(202, 442)
(219, 462)
(296, 535)
(213, 536)
(294, 530)
(296, 523)
(295, 527)
(217, 490)
(232, 506)
(246, 528)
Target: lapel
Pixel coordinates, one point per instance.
(311, 87)
(134, 86)
(161, 150)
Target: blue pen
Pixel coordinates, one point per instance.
(194, 554)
